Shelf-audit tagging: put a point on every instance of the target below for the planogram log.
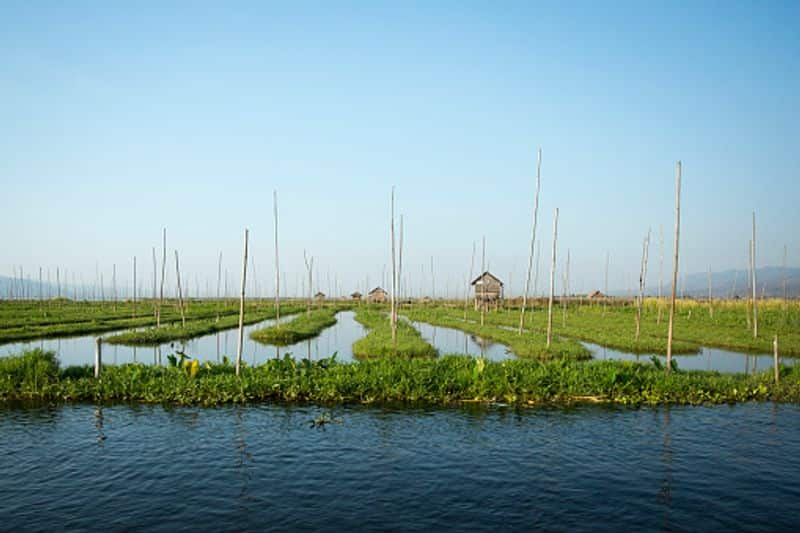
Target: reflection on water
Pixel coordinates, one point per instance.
(450, 341)
(385, 468)
(707, 359)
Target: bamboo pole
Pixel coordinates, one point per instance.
(180, 291)
(219, 282)
(277, 262)
(134, 286)
(755, 296)
(241, 308)
(552, 282)
(393, 313)
(674, 264)
(749, 281)
(483, 280)
(642, 281)
(310, 269)
(471, 272)
(775, 358)
(163, 276)
(533, 239)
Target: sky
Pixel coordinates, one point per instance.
(120, 119)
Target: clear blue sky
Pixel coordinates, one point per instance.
(120, 118)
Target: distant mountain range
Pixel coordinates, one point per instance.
(769, 282)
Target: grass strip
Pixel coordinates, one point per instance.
(305, 326)
(528, 345)
(195, 328)
(378, 341)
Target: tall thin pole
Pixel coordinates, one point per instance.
(674, 264)
(533, 239)
(163, 276)
(471, 271)
(241, 308)
(393, 316)
(483, 280)
(755, 295)
(642, 280)
(155, 282)
(277, 263)
(660, 270)
(219, 282)
(134, 286)
(552, 282)
(180, 291)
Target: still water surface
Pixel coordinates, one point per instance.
(264, 467)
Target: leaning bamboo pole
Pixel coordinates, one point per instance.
(755, 296)
(240, 345)
(674, 264)
(533, 239)
(642, 280)
(552, 282)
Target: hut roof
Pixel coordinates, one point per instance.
(597, 294)
(356, 295)
(484, 275)
(377, 289)
(319, 294)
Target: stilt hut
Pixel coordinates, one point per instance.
(376, 296)
(319, 297)
(488, 291)
(356, 296)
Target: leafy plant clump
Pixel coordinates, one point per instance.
(450, 379)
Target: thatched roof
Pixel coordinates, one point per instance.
(320, 294)
(486, 274)
(597, 294)
(377, 290)
(356, 295)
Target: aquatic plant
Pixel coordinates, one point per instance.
(36, 376)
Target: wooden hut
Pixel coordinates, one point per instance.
(356, 296)
(596, 295)
(319, 297)
(377, 296)
(488, 291)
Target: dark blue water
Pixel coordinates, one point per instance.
(264, 467)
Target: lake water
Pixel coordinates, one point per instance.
(85, 467)
(212, 347)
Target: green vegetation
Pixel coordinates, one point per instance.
(614, 326)
(30, 320)
(194, 328)
(378, 342)
(36, 376)
(529, 345)
(305, 326)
